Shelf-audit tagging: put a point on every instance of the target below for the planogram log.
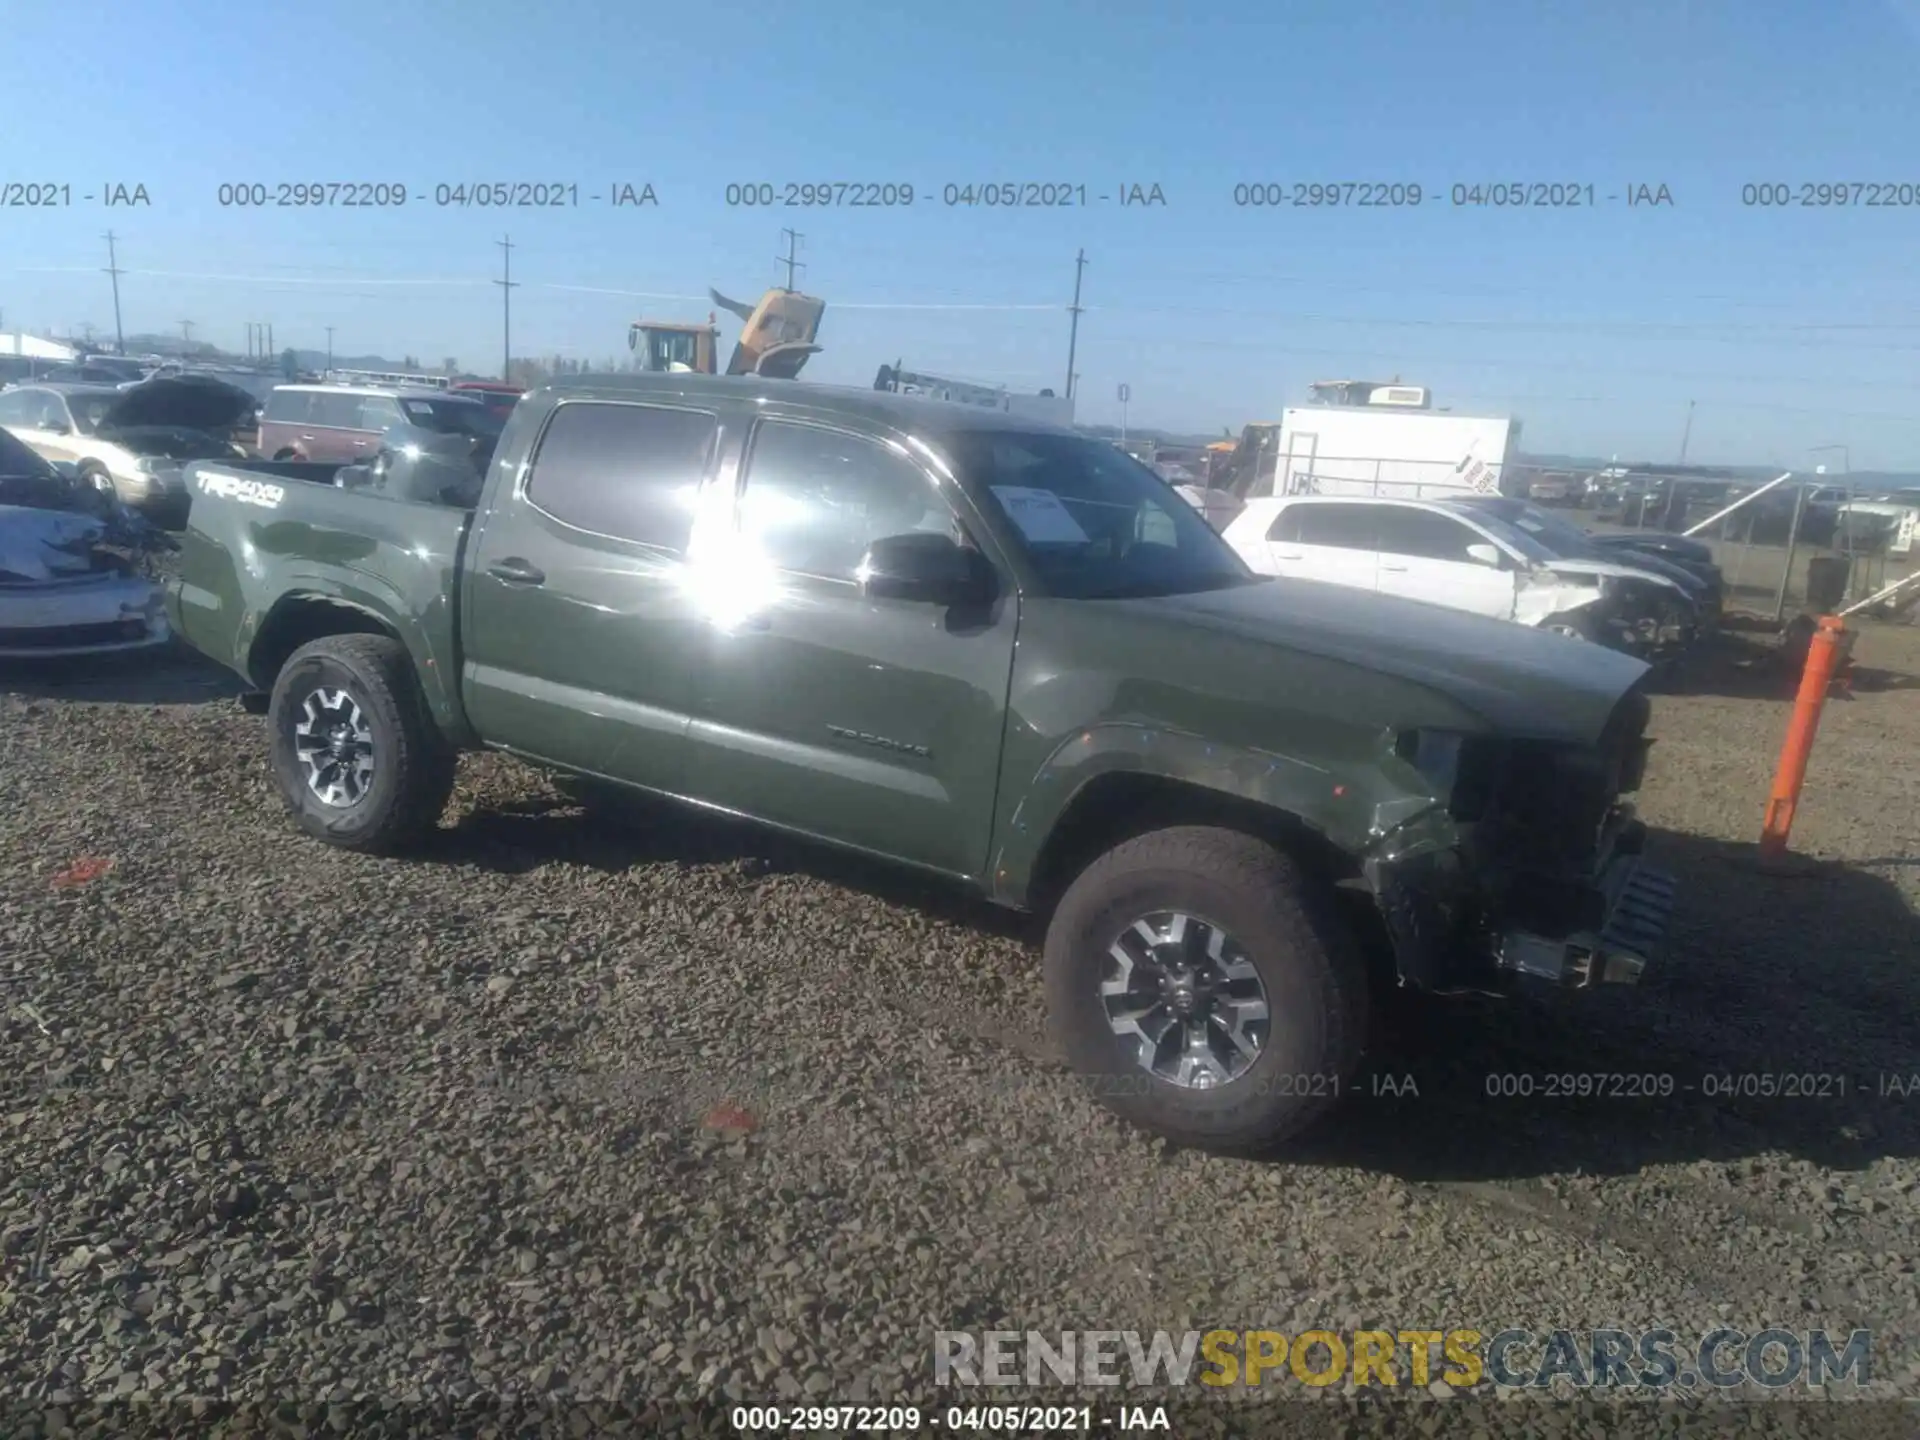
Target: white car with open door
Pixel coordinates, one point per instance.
(1447, 554)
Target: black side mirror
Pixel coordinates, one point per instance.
(925, 566)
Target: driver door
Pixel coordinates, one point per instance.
(872, 722)
(1426, 555)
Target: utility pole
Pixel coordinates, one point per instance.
(329, 347)
(1073, 335)
(269, 337)
(506, 283)
(113, 269)
(793, 244)
(1687, 434)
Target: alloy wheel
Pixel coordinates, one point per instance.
(1184, 995)
(334, 742)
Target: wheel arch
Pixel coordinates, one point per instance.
(1117, 805)
(300, 619)
(304, 615)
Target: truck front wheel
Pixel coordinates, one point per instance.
(1206, 988)
(357, 758)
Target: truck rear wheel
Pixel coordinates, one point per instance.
(1206, 988)
(357, 758)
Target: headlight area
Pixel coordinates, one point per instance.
(1527, 869)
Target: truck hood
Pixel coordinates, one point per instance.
(1608, 569)
(1522, 682)
(178, 403)
(1658, 543)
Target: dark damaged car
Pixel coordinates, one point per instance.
(999, 652)
(71, 581)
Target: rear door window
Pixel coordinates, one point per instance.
(289, 407)
(1338, 527)
(335, 411)
(19, 408)
(632, 472)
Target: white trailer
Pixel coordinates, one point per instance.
(1390, 451)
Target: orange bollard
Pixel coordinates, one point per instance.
(1823, 659)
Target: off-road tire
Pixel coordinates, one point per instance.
(1577, 624)
(413, 763)
(1307, 960)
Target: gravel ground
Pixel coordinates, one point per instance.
(676, 1111)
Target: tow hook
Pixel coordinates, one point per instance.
(1638, 910)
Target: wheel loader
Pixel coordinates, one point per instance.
(776, 338)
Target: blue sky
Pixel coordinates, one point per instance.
(1789, 327)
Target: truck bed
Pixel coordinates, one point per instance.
(266, 540)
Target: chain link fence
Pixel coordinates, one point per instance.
(1801, 547)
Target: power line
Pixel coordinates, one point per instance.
(1568, 326)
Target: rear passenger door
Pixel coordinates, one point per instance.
(1424, 555)
(582, 636)
(1327, 540)
(331, 428)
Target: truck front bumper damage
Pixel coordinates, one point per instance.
(1448, 936)
(1636, 906)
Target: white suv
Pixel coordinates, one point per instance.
(1463, 559)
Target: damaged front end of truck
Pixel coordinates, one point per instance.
(1526, 870)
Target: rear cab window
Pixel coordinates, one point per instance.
(627, 471)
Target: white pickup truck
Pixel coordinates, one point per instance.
(1449, 553)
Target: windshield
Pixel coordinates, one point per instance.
(1522, 541)
(667, 348)
(1557, 535)
(1094, 523)
(455, 417)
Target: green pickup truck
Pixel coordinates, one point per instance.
(991, 649)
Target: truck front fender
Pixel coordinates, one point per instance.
(1349, 806)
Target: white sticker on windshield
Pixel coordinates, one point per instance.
(1040, 515)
